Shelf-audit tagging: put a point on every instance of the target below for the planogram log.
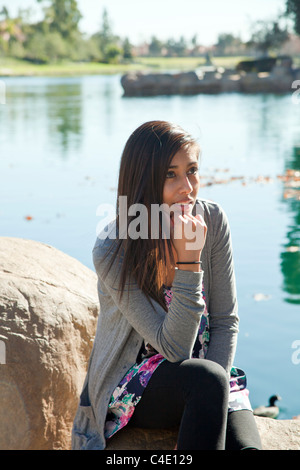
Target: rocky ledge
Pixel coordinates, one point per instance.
(48, 316)
(275, 435)
(211, 80)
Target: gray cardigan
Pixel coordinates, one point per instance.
(124, 324)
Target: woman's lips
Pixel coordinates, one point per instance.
(185, 201)
(184, 206)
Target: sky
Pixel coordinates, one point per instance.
(140, 19)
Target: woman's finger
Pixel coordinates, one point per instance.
(200, 219)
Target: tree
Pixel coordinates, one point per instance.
(105, 35)
(194, 41)
(176, 48)
(44, 48)
(62, 16)
(106, 29)
(4, 12)
(127, 49)
(56, 36)
(228, 44)
(113, 53)
(107, 41)
(293, 10)
(268, 35)
(84, 49)
(11, 32)
(155, 46)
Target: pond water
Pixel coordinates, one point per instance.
(60, 146)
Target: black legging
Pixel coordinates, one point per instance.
(194, 395)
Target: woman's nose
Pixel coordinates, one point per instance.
(185, 185)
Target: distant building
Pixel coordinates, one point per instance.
(140, 50)
(291, 46)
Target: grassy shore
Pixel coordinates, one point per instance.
(14, 67)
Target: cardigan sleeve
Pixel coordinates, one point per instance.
(172, 334)
(223, 307)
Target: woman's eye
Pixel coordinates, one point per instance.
(193, 170)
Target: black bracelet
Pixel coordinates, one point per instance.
(189, 262)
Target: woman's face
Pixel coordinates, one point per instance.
(182, 180)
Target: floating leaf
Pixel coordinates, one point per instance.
(292, 249)
(259, 297)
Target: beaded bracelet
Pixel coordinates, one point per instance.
(189, 262)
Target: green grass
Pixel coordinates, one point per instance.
(14, 67)
(186, 63)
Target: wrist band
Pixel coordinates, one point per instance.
(189, 262)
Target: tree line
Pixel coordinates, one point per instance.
(57, 37)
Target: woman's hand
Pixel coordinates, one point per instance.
(188, 234)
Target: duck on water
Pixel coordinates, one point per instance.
(270, 411)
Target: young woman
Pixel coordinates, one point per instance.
(167, 330)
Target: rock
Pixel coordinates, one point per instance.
(296, 74)
(48, 315)
(279, 434)
(231, 83)
(275, 435)
(255, 83)
(143, 439)
(151, 84)
(185, 83)
(211, 81)
(147, 84)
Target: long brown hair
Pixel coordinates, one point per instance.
(144, 164)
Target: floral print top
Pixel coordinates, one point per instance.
(130, 389)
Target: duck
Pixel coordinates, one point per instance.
(270, 411)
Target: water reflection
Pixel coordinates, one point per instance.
(64, 112)
(36, 109)
(290, 257)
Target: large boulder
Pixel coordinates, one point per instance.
(275, 435)
(48, 315)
